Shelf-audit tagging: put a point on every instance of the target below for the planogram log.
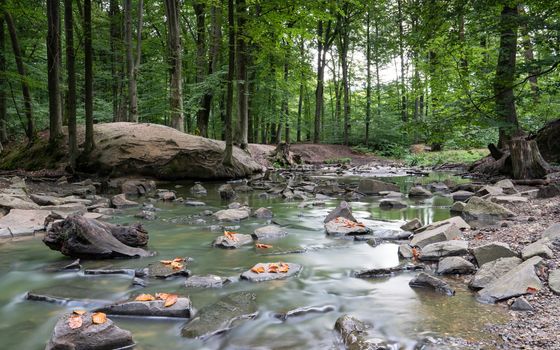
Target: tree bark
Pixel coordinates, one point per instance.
(132, 63)
(201, 64)
(71, 82)
(285, 101)
(325, 37)
(404, 107)
(242, 93)
(526, 160)
(300, 99)
(88, 62)
(368, 77)
(529, 57)
(344, 32)
(115, 43)
(3, 107)
(53, 62)
(175, 60)
(228, 152)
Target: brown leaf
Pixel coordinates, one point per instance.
(145, 297)
(162, 296)
(170, 300)
(532, 290)
(75, 321)
(284, 268)
(176, 265)
(79, 312)
(178, 259)
(263, 246)
(258, 269)
(166, 262)
(99, 318)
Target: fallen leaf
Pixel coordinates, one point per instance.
(284, 268)
(263, 246)
(258, 269)
(99, 318)
(231, 235)
(176, 265)
(79, 312)
(178, 259)
(532, 290)
(273, 268)
(170, 300)
(145, 297)
(75, 321)
(166, 262)
(162, 296)
(415, 253)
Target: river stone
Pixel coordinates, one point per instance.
(423, 280)
(221, 316)
(343, 210)
(138, 187)
(301, 311)
(228, 243)
(269, 232)
(549, 191)
(392, 204)
(521, 304)
(490, 190)
(371, 186)
(405, 251)
(391, 235)
(190, 203)
(389, 271)
(438, 250)
(293, 269)
(20, 222)
(412, 225)
(455, 220)
(478, 208)
(518, 281)
(198, 190)
(492, 251)
(181, 309)
(343, 228)
(419, 191)
(538, 248)
(208, 281)
(353, 333)
(554, 281)
(226, 192)
(458, 207)
(12, 202)
(509, 199)
(437, 187)
(439, 234)
(493, 270)
(232, 214)
(120, 202)
(90, 336)
(552, 233)
(263, 213)
(455, 265)
(166, 196)
(45, 199)
(159, 270)
(461, 196)
(507, 186)
(145, 215)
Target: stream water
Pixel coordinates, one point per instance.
(397, 312)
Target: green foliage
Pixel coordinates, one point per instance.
(430, 159)
(342, 160)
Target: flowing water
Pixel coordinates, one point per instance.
(397, 312)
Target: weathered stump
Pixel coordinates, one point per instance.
(281, 155)
(526, 160)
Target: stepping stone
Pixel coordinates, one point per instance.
(423, 280)
(156, 308)
(250, 275)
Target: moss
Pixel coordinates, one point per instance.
(37, 156)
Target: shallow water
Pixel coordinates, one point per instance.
(397, 312)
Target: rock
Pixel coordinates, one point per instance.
(455, 220)
(166, 196)
(232, 214)
(455, 265)
(208, 281)
(391, 235)
(435, 251)
(269, 232)
(146, 215)
(371, 186)
(128, 272)
(509, 199)
(353, 333)
(300, 311)
(538, 248)
(190, 203)
(405, 251)
(521, 304)
(461, 196)
(343, 227)
(521, 280)
(458, 207)
(507, 186)
(423, 280)
(478, 208)
(45, 200)
(419, 191)
(492, 251)
(243, 188)
(263, 213)
(549, 191)
(438, 187)
(392, 204)
(137, 187)
(221, 316)
(552, 233)
(343, 210)
(120, 202)
(165, 271)
(490, 190)
(198, 190)
(79, 237)
(12, 202)
(547, 140)
(412, 225)
(234, 205)
(226, 192)
(231, 243)
(249, 275)
(390, 271)
(138, 282)
(20, 222)
(181, 309)
(554, 281)
(89, 336)
(438, 234)
(493, 270)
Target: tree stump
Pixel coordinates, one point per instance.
(526, 160)
(281, 155)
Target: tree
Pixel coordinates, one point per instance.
(3, 109)
(242, 92)
(133, 63)
(115, 44)
(228, 152)
(53, 58)
(175, 61)
(71, 82)
(88, 78)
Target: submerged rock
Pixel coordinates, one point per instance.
(301, 311)
(371, 186)
(232, 241)
(269, 232)
(226, 192)
(232, 214)
(423, 280)
(391, 203)
(156, 308)
(198, 190)
(493, 270)
(268, 273)
(208, 281)
(221, 316)
(390, 271)
(263, 213)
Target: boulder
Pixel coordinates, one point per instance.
(372, 186)
(455, 220)
(419, 192)
(156, 308)
(509, 199)
(461, 196)
(438, 234)
(166, 196)
(231, 242)
(208, 281)
(438, 187)
(353, 333)
(538, 248)
(343, 227)
(392, 204)
(458, 207)
(490, 190)
(120, 202)
(79, 237)
(20, 222)
(405, 251)
(478, 208)
(520, 280)
(507, 186)
(549, 191)
(232, 214)
(438, 250)
(13, 202)
(552, 233)
(423, 280)
(269, 232)
(198, 190)
(493, 270)
(165, 271)
(145, 215)
(412, 225)
(222, 316)
(162, 152)
(554, 281)
(89, 336)
(226, 192)
(455, 265)
(263, 213)
(492, 251)
(138, 187)
(234, 205)
(45, 200)
(268, 274)
(343, 210)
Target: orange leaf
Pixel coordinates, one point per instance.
(75, 321)
(166, 262)
(170, 300)
(178, 259)
(263, 246)
(532, 290)
(79, 312)
(176, 265)
(284, 268)
(415, 253)
(162, 296)
(258, 269)
(145, 297)
(99, 318)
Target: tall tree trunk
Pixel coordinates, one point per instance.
(228, 152)
(27, 101)
(529, 57)
(377, 76)
(175, 59)
(344, 32)
(132, 62)
(404, 107)
(505, 75)
(202, 118)
(324, 41)
(251, 117)
(71, 82)
(301, 82)
(115, 43)
(88, 78)
(242, 94)
(285, 100)
(368, 76)
(3, 107)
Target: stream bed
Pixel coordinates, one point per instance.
(397, 312)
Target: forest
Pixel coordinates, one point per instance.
(377, 74)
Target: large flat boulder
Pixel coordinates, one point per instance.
(162, 152)
(182, 308)
(20, 222)
(232, 214)
(438, 234)
(438, 250)
(342, 227)
(493, 270)
(480, 209)
(454, 265)
(372, 186)
(269, 232)
(16, 202)
(232, 241)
